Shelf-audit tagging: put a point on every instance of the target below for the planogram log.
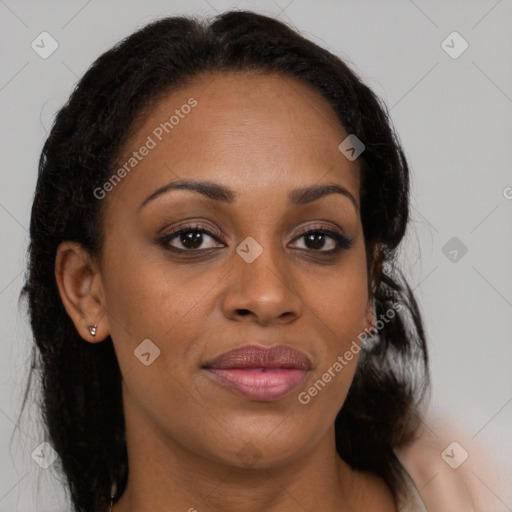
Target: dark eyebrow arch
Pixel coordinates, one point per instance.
(219, 192)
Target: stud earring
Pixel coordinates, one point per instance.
(113, 493)
(92, 329)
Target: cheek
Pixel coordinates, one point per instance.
(155, 319)
(341, 321)
(159, 302)
(146, 294)
(341, 306)
(341, 301)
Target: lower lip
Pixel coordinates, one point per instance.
(259, 384)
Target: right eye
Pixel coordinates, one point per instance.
(190, 238)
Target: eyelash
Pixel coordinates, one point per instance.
(342, 241)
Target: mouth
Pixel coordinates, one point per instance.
(260, 373)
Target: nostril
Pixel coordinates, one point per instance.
(243, 312)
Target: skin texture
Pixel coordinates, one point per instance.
(262, 136)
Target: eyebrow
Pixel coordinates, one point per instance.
(218, 192)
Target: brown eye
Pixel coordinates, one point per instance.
(189, 239)
(317, 240)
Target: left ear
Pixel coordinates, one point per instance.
(80, 287)
(371, 316)
(375, 271)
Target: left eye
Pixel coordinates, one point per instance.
(317, 237)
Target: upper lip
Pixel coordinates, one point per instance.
(257, 356)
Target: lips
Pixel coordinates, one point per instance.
(258, 372)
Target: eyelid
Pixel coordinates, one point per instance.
(312, 227)
(193, 225)
(197, 224)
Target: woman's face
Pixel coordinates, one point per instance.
(255, 280)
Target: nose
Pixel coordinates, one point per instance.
(263, 290)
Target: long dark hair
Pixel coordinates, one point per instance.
(81, 382)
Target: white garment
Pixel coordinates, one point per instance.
(415, 503)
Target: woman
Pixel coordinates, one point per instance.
(213, 288)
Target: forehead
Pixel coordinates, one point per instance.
(249, 130)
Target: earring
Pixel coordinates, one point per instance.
(92, 329)
(113, 495)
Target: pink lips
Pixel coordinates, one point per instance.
(260, 373)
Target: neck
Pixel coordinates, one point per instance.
(166, 476)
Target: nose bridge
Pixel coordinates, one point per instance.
(261, 282)
(261, 262)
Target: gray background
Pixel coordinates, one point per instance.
(454, 120)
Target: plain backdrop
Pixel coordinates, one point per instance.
(453, 114)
